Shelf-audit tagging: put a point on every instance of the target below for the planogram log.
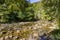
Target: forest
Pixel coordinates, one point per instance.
(17, 11)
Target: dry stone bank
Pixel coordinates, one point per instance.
(25, 30)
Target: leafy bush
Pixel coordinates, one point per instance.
(56, 34)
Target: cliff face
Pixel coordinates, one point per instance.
(25, 30)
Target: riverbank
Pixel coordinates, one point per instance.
(25, 30)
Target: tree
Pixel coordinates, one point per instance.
(37, 10)
(51, 7)
(15, 10)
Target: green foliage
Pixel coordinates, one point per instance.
(36, 8)
(45, 16)
(51, 8)
(56, 34)
(40, 13)
(15, 10)
(29, 13)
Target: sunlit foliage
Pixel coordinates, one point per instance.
(15, 10)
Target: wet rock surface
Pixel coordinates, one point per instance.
(25, 30)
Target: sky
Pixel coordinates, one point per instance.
(32, 1)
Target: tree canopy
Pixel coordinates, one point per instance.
(15, 10)
(52, 8)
